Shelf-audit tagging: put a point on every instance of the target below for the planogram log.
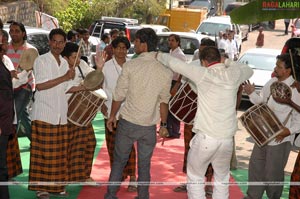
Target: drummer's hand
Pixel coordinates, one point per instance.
(175, 89)
(163, 132)
(100, 59)
(70, 73)
(111, 123)
(248, 87)
(104, 110)
(14, 74)
(296, 85)
(286, 132)
(287, 101)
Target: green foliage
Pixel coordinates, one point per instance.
(254, 12)
(73, 15)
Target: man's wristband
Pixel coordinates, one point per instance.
(163, 124)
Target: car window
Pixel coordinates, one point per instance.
(188, 45)
(212, 29)
(259, 61)
(40, 41)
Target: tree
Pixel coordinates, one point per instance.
(265, 10)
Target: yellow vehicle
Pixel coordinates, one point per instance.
(182, 19)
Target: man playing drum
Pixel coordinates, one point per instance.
(215, 122)
(82, 141)
(49, 143)
(188, 133)
(173, 124)
(267, 163)
(112, 70)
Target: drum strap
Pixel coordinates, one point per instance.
(287, 118)
(81, 72)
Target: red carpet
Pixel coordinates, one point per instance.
(166, 167)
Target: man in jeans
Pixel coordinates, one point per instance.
(144, 86)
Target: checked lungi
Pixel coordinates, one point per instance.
(130, 168)
(82, 143)
(295, 178)
(48, 157)
(13, 158)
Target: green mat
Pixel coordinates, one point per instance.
(20, 188)
(241, 175)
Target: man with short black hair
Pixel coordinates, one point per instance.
(144, 87)
(49, 144)
(215, 122)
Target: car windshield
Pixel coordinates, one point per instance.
(212, 28)
(188, 45)
(259, 61)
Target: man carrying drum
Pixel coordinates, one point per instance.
(215, 122)
(49, 143)
(267, 163)
(82, 141)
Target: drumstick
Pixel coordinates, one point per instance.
(292, 61)
(77, 55)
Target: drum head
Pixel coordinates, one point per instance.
(27, 58)
(281, 90)
(93, 80)
(101, 93)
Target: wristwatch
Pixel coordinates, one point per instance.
(163, 124)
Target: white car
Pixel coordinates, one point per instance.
(263, 62)
(213, 25)
(156, 28)
(189, 42)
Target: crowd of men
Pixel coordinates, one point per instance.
(138, 94)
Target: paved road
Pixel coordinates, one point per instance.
(244, 143)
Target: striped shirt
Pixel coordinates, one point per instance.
(50, 105)
(15, 56)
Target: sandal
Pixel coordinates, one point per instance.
(181, 188)
(62, 194)
(42, 195)
(132, 188)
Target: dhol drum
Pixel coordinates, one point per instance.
(261, 123)
(184, 104)
(84, 105)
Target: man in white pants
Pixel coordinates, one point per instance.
(215, 122)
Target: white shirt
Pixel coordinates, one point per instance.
(222, 44)
(85, 68)
(217, 88)
(111, 72)
(50, 105)
(177, 52)
(280, 110)
(231, 48)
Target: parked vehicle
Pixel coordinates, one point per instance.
(263, 62)
(213, 25)
(156, 28)
(182, 19)
(189, 43)
(37, 37)
(105, 24)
